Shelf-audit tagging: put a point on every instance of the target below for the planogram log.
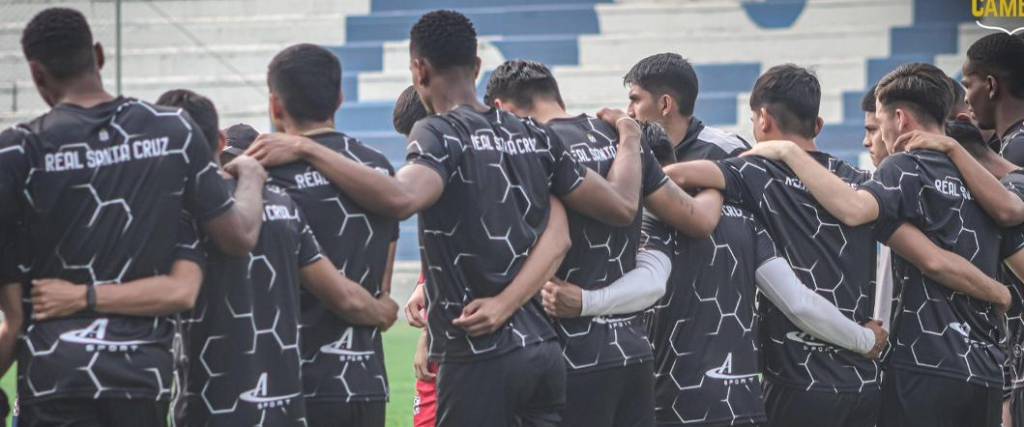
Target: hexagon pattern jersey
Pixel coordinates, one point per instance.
(836, 261)
(341, 361)
(498, 171)
(601, 254)
(130, 168)
(1013, 241)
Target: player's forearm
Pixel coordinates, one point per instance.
(696, 217)
(809, 311)
(1005, 208)
(152, 296)
(249, 207)
(637, 290)
(378, 193)
(344, 297)
(543, 260)
(696, 174)
(625, 173)
(14, 320)
(836, 196)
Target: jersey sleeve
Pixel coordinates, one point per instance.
(655, 235)
(566, 173)
(766, 249)
(653, 176)
(14, 165)
(896, 186)
(309, 248)
(1014, 151)
(190, 241)
(1013, 242)
(430, 146)
(206, 193)
(742, 174)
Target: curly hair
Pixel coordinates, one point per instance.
(445, 38)
(59, 39)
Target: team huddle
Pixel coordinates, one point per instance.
(628, 268)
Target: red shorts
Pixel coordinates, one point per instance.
(424, 410)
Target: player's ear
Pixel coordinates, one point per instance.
(222, 141)
(100, 57)
(276, 109)
(666, 105)
(902, 120)
(420, 72)
(993, 86)
(476, 68)
(41, 78)
(764, 120)
(819, 124)
(341, 99)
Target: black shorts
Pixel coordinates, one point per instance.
(523, 388)
(616, 397)
(788, 407)
(93, 412)
(343, 414)
(911, 399)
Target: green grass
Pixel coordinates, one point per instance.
(399, 348)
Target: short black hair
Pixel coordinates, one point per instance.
(59, 39)
(238, 139)
(307, 79)
(522, 81)
(959, 98)
(1001, 55)
(201, 108)
(667, 73)
(792, 95)
(446, 38)
(867, 102)
(408, 110)
(919, 87)
(969, 136)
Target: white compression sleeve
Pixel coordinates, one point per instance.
(635, 291)
(883, 287)
(809, 311)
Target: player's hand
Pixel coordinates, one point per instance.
(56, 298)
(881, 339)
(420, 364)
(772, 150)
(562, 299)
(273, 149)
(483, 316)
(416, 308)
(917, 140)
(246, 166)
(1005, 300)
(388, 311)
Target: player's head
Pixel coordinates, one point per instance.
(58, 46)
(913, 96)
(202, 110)
(442, 47)
(517, 86)
(237, 139)
(970, 137)
(959, 107)
(784, 104)
(994, 74)
(661, 86)
(408, 110)
(305, 86)
(872, 136)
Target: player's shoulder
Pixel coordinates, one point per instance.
(14, 138)
(367, 154)
(716, 139)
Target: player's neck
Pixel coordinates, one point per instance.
(546, 111)
(676, 127)
(450, 92)
(1008, 114)
(308, 128)
(805, 143)
(85, 92)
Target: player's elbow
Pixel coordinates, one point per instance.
(399, 206)
(624, 214)
(237, 243)
(1009, 217)
(184, 297)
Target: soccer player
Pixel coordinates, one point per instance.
(610, 351)
(241, 340)
(994, 78)
(480, 178)
(132, 168)
(872, 138)
(836, 260)
(946, 364)
(663, 89)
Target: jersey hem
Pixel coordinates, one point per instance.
(959, 376)
(610, 365)
(822, 387)
(136, 394)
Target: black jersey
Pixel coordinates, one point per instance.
(242, 338)
(1011, 145)
(341, 361)
(1013, 241)
(601, 254)
(937, 331)
(707, 143)
(704, 329)
(836, 261)
(100, 191)
(499, 171)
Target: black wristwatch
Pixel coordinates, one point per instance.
(90, 298)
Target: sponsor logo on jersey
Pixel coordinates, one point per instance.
(726, 375)
(809, 342)
(343, 348)
(262, 399)
(93, 337)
